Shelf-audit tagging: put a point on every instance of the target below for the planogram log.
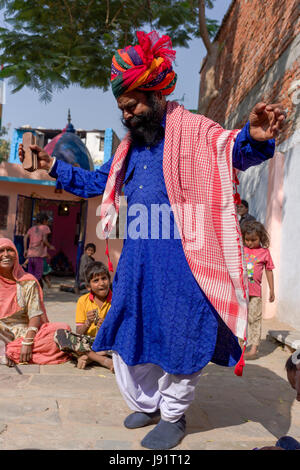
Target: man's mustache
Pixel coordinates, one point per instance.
(134, 121)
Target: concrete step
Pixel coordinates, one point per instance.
(290, 338)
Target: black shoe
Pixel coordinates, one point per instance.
(139, 419)
(62, 340)
(165, 435)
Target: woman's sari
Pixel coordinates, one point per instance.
(20, 300)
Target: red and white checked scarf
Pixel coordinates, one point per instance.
(197, 166)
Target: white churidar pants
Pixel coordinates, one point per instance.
(147, 388)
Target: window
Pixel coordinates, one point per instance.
(3, 211)
(101, 145)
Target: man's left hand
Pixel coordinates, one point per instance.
(266, 121)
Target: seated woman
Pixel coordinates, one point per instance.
(25, 332)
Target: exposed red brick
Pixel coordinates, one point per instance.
(252, 37)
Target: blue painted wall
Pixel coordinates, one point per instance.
(108, 142)
(17, 138)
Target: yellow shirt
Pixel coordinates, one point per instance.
(86, 303)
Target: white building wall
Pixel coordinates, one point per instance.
(288, 305)
(272, 190)
(93, 144)
(254, 189)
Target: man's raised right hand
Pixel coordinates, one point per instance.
(43, 159)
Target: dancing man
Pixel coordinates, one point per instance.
(179, 292)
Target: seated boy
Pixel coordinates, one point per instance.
(86, 260)
(91, 310)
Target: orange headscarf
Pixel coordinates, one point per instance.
(8, 288)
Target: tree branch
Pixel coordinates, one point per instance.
(89, 6)
(69, 11)
(202, 26)
(116, 15)
(107, 12)
(210, 91)
(150, 12)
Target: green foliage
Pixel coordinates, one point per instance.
(4, 145)
(51, 44)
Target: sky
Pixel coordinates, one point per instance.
(95, 109)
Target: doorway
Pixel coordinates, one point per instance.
(67, 222)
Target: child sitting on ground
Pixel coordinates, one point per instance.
(257, 257)
(91, 310)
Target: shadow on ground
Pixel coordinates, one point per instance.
(54, 294)
(223, 400)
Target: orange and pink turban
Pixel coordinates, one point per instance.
(144, 67)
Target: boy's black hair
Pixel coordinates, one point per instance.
(90, 245)
(289, 365)
(245, 203)
(97, 267)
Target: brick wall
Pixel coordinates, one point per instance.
(253, 36)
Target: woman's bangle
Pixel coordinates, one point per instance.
(28, 338)
(27, 343)
(32, 328)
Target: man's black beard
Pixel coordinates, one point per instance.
(146, 128)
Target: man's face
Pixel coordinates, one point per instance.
(142, 115)
(132, 104)
(241, 209)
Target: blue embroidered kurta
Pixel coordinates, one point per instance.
(159, 314)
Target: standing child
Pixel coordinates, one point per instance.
(257, 257)
(38, 244)
(46, 271)
(91, 311)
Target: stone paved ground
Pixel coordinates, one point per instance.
(62, 407)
